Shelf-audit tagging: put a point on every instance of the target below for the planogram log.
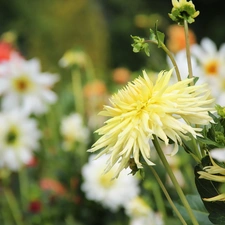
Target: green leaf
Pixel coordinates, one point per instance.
(159, 36)
(198, 209)
(218, 218)
(208, 142)
(140, 44)
(152, 36)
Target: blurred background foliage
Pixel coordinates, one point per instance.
(46, 29)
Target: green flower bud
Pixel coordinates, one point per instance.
(219, 138)
(183, 10)
(221, 111)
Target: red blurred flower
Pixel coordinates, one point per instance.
(35, 206)
(33, 162)
(5, 51)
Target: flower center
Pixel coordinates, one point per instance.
(211, 68)
(106, 180)
(12, 136)
(22, 84)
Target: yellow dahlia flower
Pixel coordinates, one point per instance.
(142, 109)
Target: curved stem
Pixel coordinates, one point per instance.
(172, 60)
(167, 51)
(174, 181)
(188, 53)
(167, 196)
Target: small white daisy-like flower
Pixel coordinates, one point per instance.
(100, 187)
(24, 86)
(141, 214)
(73, 130)
(208, 64)
(143, 109)
(212, 64)
(19, 137)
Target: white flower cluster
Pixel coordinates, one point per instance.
(24, 91)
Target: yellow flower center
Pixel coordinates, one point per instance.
(22, 84)
(12, 136)
(211, 68)
(106, 179)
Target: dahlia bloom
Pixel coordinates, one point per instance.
(19, 137)
(24, 86)
(141, 110)
(100, 187)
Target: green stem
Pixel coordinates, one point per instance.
(167, 196)
(90, 73)
(195, 147)
(174, 181)
(13, 206)
(53, 128)
(158, 199)
(78, 91)
(172, 60)
(167, 51)
(23, 187)
(188, 53)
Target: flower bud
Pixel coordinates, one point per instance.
(183, 10)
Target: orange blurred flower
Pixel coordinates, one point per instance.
(52, 185)
(121, 75)
(95, 88)
(176, 38)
